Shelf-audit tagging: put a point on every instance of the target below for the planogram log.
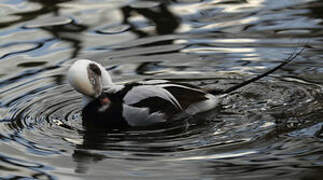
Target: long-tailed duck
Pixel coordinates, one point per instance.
(140, 103)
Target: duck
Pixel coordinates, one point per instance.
(134, 104)
(142, 103)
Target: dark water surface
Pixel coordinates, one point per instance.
(270, 129)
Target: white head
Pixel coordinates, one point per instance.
(88, 77)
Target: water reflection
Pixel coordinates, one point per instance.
(46, 7)
(270, 128)
(69, 30)
(67, 33)
(82, 155)
(164, 21)
(61, 28)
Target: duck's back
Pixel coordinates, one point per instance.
(146, 103)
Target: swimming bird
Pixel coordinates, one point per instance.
(142, 103)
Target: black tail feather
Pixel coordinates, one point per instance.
(238, 86)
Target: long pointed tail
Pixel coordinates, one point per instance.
(238, 86)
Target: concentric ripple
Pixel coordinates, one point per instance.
(269, 129)
(44, 118)
(48, 115)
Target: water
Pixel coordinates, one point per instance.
(268, 129)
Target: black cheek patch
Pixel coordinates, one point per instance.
(94, 75)
(95, 68)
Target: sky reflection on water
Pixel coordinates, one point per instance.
(270, 129)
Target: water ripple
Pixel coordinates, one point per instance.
(270, 128)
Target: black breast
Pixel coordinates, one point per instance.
(110, 118)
